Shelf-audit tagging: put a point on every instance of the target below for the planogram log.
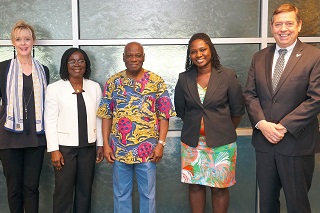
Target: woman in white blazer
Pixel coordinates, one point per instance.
(73, 131)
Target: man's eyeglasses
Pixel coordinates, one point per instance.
(73, 62)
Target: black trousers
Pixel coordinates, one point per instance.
(73, 183)
(22, 169)
(293, 174)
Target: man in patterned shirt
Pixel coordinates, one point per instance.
(135, 112)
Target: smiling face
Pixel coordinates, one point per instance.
(23, 42)
(76, 66)
(285, 28)
(200, 54)
(133, 58)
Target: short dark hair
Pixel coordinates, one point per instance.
(215, 61)
(64, 74)
(286, 8)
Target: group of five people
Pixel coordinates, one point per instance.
(128, 122)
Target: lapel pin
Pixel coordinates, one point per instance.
(298, 55)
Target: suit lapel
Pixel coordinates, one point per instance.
(268, 68)
(293, 60)
(68, 87)
(213, 84)
(192, 85)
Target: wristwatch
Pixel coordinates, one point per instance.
(163, 143)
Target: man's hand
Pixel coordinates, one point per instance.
(157, 153)
(281, 128)
(273, 132)
(108, 153)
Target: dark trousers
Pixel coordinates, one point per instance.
(22, 169)
(73, 183)
(293, 174)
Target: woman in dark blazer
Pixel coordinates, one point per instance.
(23, 81)
(208, 99)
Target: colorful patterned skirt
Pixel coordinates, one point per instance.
(203, 165)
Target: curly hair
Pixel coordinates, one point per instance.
(64, 74)
(215, 61)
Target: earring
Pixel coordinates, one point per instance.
(33, 51)
(14, 52)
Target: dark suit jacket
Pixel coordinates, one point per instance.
(295, 104)
(223, 99)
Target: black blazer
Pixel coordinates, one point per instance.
(295, 104)
(222, 101)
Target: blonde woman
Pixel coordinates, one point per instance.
(23, 81)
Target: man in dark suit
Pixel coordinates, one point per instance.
(283, 100)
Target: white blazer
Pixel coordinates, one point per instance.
(61, 115)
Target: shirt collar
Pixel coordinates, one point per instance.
(289, 48)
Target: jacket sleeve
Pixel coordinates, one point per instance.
(99, 120)
(252, 101)
(235, 97)
(179, 100)
(51, 114)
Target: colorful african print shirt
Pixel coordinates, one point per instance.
(135, 107)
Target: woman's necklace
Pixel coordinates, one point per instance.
(27, 103)
(77, 88)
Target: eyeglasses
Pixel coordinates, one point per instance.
(73, 62)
